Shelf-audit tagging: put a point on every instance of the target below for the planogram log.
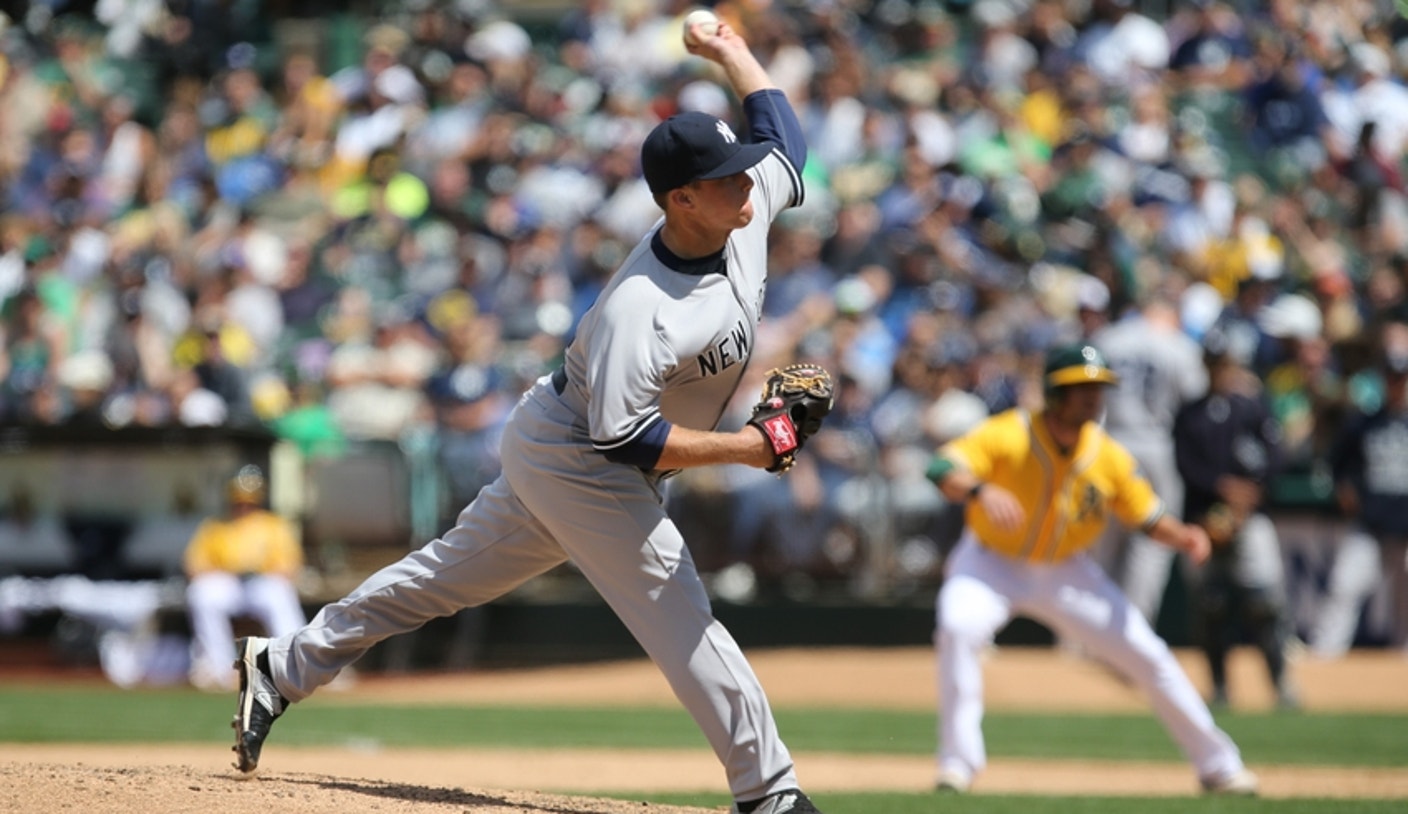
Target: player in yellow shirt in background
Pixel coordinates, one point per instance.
(1039, 489)
(245, 564)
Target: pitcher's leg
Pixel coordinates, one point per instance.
(611, 521)
(654, 588)
(495, 546)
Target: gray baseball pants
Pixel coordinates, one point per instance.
(558, 499)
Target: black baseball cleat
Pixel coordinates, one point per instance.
(259, 704)
(791, 801)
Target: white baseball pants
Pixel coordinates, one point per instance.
(981, 593)
(214, 598)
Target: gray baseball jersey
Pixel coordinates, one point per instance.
(1159, 371)
(672, 343)
(667, 340)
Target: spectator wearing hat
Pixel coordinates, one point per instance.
(1370, 465)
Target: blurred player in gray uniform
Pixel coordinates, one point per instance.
(652, 368)
(1160, 369)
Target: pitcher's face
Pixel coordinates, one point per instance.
(724, 203)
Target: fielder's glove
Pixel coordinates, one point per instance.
(795, 399)
(1222, 525)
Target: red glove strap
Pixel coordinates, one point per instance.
(780, 433)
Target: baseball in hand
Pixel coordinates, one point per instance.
(706, 20)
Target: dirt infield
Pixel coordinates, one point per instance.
(66, 778)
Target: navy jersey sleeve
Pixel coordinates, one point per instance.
(644, 450)
(771, 118)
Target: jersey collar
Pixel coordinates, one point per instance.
(697, 266)
(1087, 432)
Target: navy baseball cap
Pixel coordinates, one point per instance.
(694, 146)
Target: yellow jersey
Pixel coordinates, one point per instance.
(259, 542)
(1068, 496)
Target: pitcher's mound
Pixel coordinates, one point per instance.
(48, 787)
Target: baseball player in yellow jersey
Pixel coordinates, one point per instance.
(243, 564)
(1040, 488)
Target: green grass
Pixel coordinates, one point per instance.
(876, 803)
(88, 714)
(49, 715)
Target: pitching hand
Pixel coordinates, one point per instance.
(716, 47)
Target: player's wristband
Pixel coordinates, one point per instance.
(939, 468)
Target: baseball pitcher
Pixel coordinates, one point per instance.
(587, 448)
(1039, 489)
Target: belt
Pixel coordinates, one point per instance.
(559, 380)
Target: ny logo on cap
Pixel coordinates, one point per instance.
(726, 132)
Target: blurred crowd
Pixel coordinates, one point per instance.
(346, 225)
